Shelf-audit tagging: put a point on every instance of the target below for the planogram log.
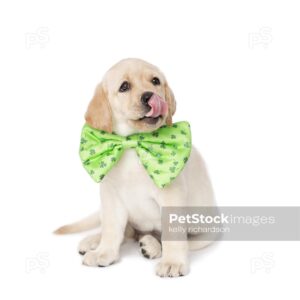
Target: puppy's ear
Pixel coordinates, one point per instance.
(171, 104)
(99, 114)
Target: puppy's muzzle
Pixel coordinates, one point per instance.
(155, 105)
(145, 99)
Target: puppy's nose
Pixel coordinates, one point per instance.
(146, 97)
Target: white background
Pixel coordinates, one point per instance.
(234, 68)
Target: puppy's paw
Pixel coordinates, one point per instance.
(89, 243)
(171, 269)
(150, 246)
(99, 258)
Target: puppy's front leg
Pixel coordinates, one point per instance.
(114, 219)
(174, 260)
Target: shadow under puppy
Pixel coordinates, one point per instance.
(134, 97)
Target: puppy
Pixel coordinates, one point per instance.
(131, 202)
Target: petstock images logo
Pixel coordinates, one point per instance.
(232, 223)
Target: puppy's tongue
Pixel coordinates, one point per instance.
(159, 107)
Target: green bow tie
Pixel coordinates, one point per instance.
(163, 152)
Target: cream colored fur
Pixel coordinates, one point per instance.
(130, 201)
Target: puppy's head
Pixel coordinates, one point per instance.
(134, 96)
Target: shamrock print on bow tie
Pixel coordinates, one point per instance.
(163, 152)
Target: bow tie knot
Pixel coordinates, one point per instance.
(129, 143)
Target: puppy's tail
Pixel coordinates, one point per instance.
(89, 222)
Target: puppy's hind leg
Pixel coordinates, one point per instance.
(150, 246)
(197, 245)
(89, 243)
(203, 240)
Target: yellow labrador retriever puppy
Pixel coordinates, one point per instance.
(131, 202)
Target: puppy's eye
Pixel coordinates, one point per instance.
(155, 81)
(125, 86)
